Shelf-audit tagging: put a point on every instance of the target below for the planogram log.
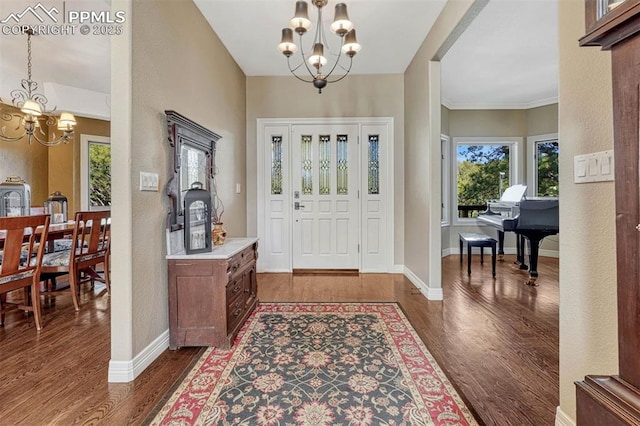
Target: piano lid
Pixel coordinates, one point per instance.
(513, 194)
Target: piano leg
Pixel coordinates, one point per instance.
(501, 245)
(534, 246)
(520, 257)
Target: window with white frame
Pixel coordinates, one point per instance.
(484, 168)
(542, 165)
(445, 179)
(95, 176)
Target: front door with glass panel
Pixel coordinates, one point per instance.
(324, 182)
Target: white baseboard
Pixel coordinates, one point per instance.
(397, 269)
(562, 419)
(550, 253)
(446, 252)
(429, 293)
(127, 371)
(274, 271)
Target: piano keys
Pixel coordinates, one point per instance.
(532, 219)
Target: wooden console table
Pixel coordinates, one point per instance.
(211, 295)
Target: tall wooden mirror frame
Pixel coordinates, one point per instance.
(184, 133)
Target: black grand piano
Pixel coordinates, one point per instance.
(531, 219)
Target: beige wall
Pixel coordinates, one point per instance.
(422, 144)
(356, 96)
(542, 120)
(490, 122)
(501, 123)
(588, 321)
(64, 161)
(177, 62)
(29, 161)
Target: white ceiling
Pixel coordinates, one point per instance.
(506, 59)
(390, 31)
(73, 71)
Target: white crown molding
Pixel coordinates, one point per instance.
(449, 104)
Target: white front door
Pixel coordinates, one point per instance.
(324, 185)
(340, 172)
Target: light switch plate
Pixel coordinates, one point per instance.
(596, 167)
(148, 181)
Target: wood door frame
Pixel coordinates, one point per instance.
(263, 124)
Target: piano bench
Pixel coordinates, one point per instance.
(472, 239)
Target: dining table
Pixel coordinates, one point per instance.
(56, 231)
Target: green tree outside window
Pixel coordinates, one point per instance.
(99, 174)
(479, 168)
(547, 159)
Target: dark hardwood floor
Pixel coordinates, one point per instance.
(496, 340)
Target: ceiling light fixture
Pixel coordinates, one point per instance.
(33, 106)
(315, 62)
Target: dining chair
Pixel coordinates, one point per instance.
(89, 248)
(24, 240)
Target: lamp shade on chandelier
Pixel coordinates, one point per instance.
(320, 62)
(33, 108)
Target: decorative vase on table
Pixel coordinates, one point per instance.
(218, 234)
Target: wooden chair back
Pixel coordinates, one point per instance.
(90, 236)
(89, 248)
(24, 239)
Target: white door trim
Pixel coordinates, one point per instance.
(284, 125)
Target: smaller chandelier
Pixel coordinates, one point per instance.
(33, 106)
(317, 60)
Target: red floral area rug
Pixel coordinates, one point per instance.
(318, 364)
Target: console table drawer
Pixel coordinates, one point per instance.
(234, 288)
(196, 268)
(241, 259)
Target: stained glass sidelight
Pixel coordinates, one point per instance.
(342, 165)
(307, 165)
(276, 165)
(325, 165)
(374, 164)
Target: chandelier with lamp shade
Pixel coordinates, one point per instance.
(316, 62)
(34, 113)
